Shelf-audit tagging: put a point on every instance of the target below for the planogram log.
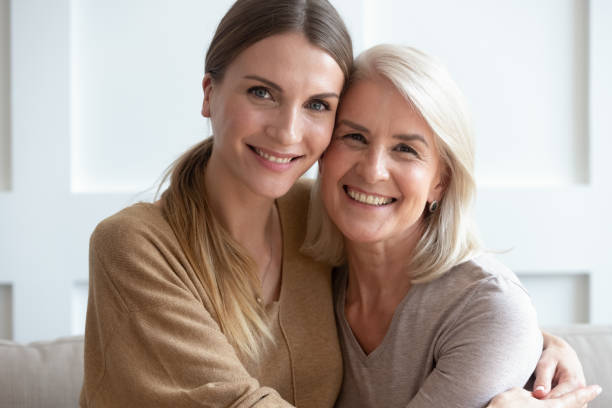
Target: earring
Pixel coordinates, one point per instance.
(433, 206)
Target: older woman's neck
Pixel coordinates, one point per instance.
(378, 271)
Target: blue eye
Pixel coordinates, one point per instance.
(318, 106)
(260, 92)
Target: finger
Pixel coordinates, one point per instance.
(578, 398)
(545, 370)
(563, 388)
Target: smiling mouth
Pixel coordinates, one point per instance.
(369, 199)
(272, 158)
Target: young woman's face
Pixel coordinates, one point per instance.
(382, 166)
(273, 112)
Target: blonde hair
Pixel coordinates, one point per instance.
(226, 271)
(449, 236)
(222, 266)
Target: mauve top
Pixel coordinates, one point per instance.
(454, 342)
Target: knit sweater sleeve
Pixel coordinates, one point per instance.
(150, 340)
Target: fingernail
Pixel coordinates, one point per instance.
(540, 388)
(598, 390)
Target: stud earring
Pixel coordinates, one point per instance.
(433, 206)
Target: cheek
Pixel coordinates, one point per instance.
(235, 119)
(329, 176)
(319, 134)
(333, 165)
(415, 183)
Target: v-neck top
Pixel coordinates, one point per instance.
(454, 342)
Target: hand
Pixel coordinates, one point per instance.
(520, 398)
(559, 367)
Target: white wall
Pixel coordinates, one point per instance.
(105, 94)
(5, 164)
(522, 64)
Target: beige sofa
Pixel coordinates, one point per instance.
(49, 374)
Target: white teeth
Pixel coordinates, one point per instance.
(271, 158)
(368, 199)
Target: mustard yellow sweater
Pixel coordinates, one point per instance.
(150, 339)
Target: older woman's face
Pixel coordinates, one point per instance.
(382, 166)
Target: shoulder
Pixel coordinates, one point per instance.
(483, 291)
(135, 255)
(492, 295)
(482, 300)
(482, 273)
(136, 247)
(129, 228)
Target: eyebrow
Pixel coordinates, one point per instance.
(411, 137)
(354, 125)
(279, 89)
(265, 81)
(405, 137)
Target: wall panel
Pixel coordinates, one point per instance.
(6, 312)
(78, 307)
(559, 298)
(136, 76)
(5, 111)
(523, 67)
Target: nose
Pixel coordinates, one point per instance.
(285, 126)
(372, 166)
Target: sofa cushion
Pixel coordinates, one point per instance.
(50, 374)
(593, 344)
(41, 374)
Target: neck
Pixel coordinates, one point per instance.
(252, 220)
(379, 275)
(245, 215)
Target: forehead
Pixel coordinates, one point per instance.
(291, 58)
(375, 103)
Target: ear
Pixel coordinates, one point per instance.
(440, 184)
(207, 86)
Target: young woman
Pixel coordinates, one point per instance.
(425, 319)
(202, 298)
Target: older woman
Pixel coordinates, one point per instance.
(425, 319)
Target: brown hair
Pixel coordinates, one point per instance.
(249, 21)
(226, 271)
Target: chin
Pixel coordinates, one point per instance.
(273, 189)
(359, 236)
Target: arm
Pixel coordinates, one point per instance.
(559, 367)
(492, 345)
(520, 398)
(150, 341)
